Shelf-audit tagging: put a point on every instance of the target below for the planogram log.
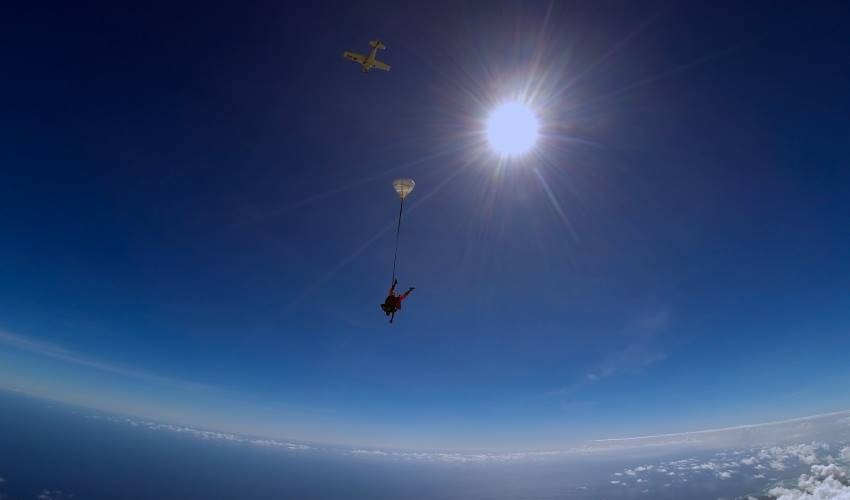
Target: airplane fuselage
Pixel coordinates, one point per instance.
(369, 63)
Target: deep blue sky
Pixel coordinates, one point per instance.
(196, 202)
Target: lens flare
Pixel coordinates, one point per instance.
(512, 129)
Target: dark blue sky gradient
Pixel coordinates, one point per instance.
(199, 194)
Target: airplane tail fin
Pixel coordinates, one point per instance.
(377, 44)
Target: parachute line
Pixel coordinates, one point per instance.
(397, 233)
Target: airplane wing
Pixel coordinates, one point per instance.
(381, 65)
(351, 56)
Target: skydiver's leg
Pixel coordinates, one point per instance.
(392, 316)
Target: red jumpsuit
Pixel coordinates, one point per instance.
(392, 304)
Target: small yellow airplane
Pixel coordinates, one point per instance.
(368, 62)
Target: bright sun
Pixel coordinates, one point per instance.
(512, 129)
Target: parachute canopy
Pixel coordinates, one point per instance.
(403, 187)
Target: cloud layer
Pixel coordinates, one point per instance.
(770, 447)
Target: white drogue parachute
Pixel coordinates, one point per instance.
(403, 187)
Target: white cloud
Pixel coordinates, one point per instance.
(777, 425)
(721, 467)
(47, 494)
(378, 453)
(824, 471)
(777, 465)
(203, 434)
(845, 453)
(825, 482)
(57, 352)
(638, 350)
(271, 443)
(804, 453)
(641, 351)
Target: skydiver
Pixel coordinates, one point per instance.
(392, 304)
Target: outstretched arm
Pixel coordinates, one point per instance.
(392, 287)
(405, 294)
